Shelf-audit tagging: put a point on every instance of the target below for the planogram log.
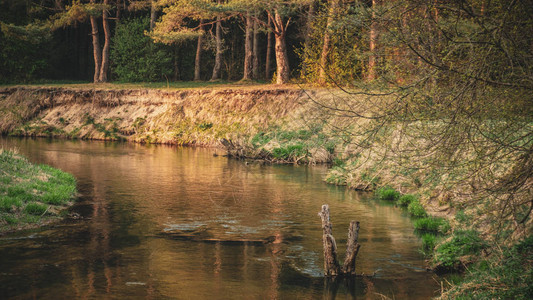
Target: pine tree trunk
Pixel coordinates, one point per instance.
(104, 68)
(282, 59)
(268, 53)
(255, 68)
(371, 72)
(197, 60)
(97, 54)
(153, 15)
(326, 47)
(308, 32)
(248, 48)
(119, 4)
(218, 54)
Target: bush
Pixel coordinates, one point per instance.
(406, 199)
(387, 193)
(464, 242)
(135, 57)
(416, 209)
(35, 209)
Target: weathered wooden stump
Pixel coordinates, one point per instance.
(331, 265)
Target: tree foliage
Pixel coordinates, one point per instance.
(135, 57)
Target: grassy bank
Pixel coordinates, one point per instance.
(31, 195)
(489, 269)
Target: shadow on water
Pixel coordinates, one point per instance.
(160, 222)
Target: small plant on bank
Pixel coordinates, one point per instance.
(416, 209)
(452, 254)
(387, 193)
(428, 243)
(406, 199)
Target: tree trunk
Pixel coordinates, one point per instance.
(268, 52)
(218, 54)
(255, 68)
(307, 39)
(248, 48)
(326, 47)
(107, 40)
(153, 15)
(371, 72)
(282, 59)
(97, 54)
(352, 248)
(331, 266)
(118, 10)
(198, 58)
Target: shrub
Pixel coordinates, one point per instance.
(406, 199)
(387, 193)
(416, 209)
(35, 209)
(464, 242)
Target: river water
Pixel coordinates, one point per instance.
(160, 222)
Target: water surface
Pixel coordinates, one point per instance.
(159, 222)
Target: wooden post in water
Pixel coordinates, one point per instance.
(348, 268)
(331, 265)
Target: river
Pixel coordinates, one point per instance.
(161, 222)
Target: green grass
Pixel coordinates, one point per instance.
(430, 224)
(387, 193)
(149, 85)
(451, 254)
(406, 199)
(28, 190)
(416, 209)
(295, 145)
(506, 275)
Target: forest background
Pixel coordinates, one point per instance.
(430, 97)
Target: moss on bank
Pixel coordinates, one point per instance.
(31, 195)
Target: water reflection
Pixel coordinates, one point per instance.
(160, 222)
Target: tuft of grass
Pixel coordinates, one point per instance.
(430, 224)
(35, 209)
(428, 243)
(387, 193)
(449, 255)
(406, 199)
(416, 209)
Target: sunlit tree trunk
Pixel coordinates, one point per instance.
(255, 68)
(268, 52)
(218, 54)
(326, 47)
(248, 48)
(153, 14)
(104, 68)
(371, 72)
(97, 54)
(197, 60)
(282, 59)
